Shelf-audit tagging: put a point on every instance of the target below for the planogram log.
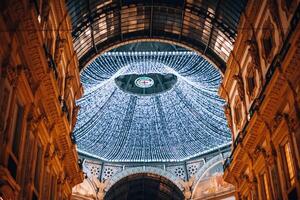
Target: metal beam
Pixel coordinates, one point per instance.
(182, 19)
(212, 28)
(120, 20)
(151, 19)
(91, 26)
(186, 172)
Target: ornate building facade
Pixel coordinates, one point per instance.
(262, 88)
(38, 86)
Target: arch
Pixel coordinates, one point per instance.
(206, 167)
(210, 28)
(86, 189)
(139, 170)
(144, 186)
(215, 182)
(218, 65)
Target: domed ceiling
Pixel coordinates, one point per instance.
(150, 106)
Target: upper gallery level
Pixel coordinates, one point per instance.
(263, 40)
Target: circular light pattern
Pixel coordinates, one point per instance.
(181, 123)
(144, 82)
(153, 83)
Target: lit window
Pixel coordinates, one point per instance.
(39, 18)
(288, 163)
(265, 187)
(18, 130)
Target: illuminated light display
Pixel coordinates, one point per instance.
(185, 121)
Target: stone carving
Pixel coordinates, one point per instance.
(240, 86)
(101, 186)
(85, 189)
(228, 115)
(276, 122)
(74, 115)
(254, 53)
(48, 155)
(187, 187)
(14, 73)
(291, 122)
(60, 44)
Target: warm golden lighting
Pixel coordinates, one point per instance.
(289, 163)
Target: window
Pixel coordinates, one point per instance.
(18, 130)
(267, 39)
(46, 183)
(27, 160)
(268, 43)
(288, 3)
(276, 184)
(288, 164)
(250, 81)
(38, 163)
(4, 107)
(53, 188)
(265, 194)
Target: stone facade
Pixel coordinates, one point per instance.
(39, 82)
(190, 177)
(263, 102)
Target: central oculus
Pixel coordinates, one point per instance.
(146, 84)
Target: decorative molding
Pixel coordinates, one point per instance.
(240, 86)
(228, 114)
(212, 162)
(145, 169)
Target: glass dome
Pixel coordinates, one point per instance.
(178, 121)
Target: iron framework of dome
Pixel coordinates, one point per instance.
(209, 27)
(173, 125)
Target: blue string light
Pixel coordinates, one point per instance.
(179, 124)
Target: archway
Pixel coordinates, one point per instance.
(208, 27)
(144, 186)
(209, 181)
(143, 170)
